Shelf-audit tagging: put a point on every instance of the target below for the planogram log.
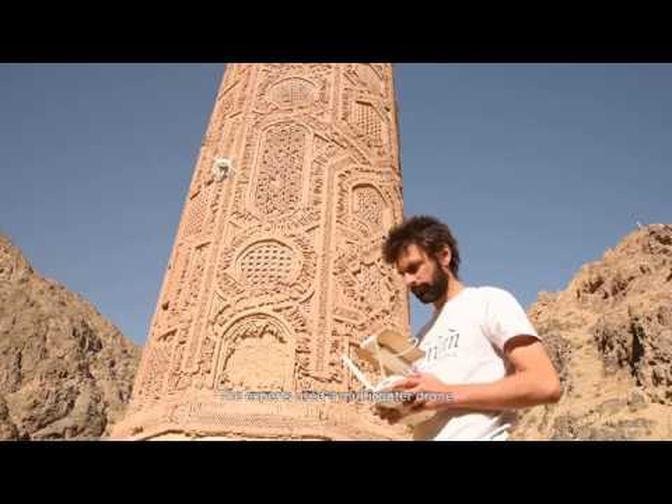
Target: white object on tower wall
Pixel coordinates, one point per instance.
(222, 168)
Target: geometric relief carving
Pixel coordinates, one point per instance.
(306, 88)
(366, 291)
(273, 269)
(174, 374)
(371, 280)
(323, 151)
(369, 122)
(196, 209)
(362, 284)
(257, 354)
(228, 136)
(206, 357)
(223, 136)
(226, 104)
(280, 172)
(245, 75)
(156, 366)
(268, 263)
(189, 295)
(369, 77)
(368, 205)
(293, 92)
(365, 298)
(223, 108)
(176, 278)
(370, 287)
(203, 175)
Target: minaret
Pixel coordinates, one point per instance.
(276, 269)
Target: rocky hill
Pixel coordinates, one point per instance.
(65, 371)
(610, 335)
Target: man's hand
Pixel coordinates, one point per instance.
(430, 393)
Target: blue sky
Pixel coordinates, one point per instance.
(537, 168)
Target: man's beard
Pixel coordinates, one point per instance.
(428, 293)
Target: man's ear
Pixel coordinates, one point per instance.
(445, 257)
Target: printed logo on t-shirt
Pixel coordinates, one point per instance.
(446, 345)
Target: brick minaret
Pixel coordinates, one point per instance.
(276, 268)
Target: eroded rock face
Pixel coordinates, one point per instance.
(610, 335)
(65, 371)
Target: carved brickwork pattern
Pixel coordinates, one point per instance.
(256, 355)
(196, 209)
(368, 206)
(293, 92)
(279, 179)
(267, 263)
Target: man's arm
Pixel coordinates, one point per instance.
(533, 381)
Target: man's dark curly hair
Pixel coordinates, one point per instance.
(426, 232)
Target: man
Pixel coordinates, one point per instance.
(482, 359)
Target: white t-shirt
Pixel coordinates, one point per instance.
(463, 344)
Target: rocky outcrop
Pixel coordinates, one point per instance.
(609, 334)
(65, 371)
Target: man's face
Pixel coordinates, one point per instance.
(422, 274)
